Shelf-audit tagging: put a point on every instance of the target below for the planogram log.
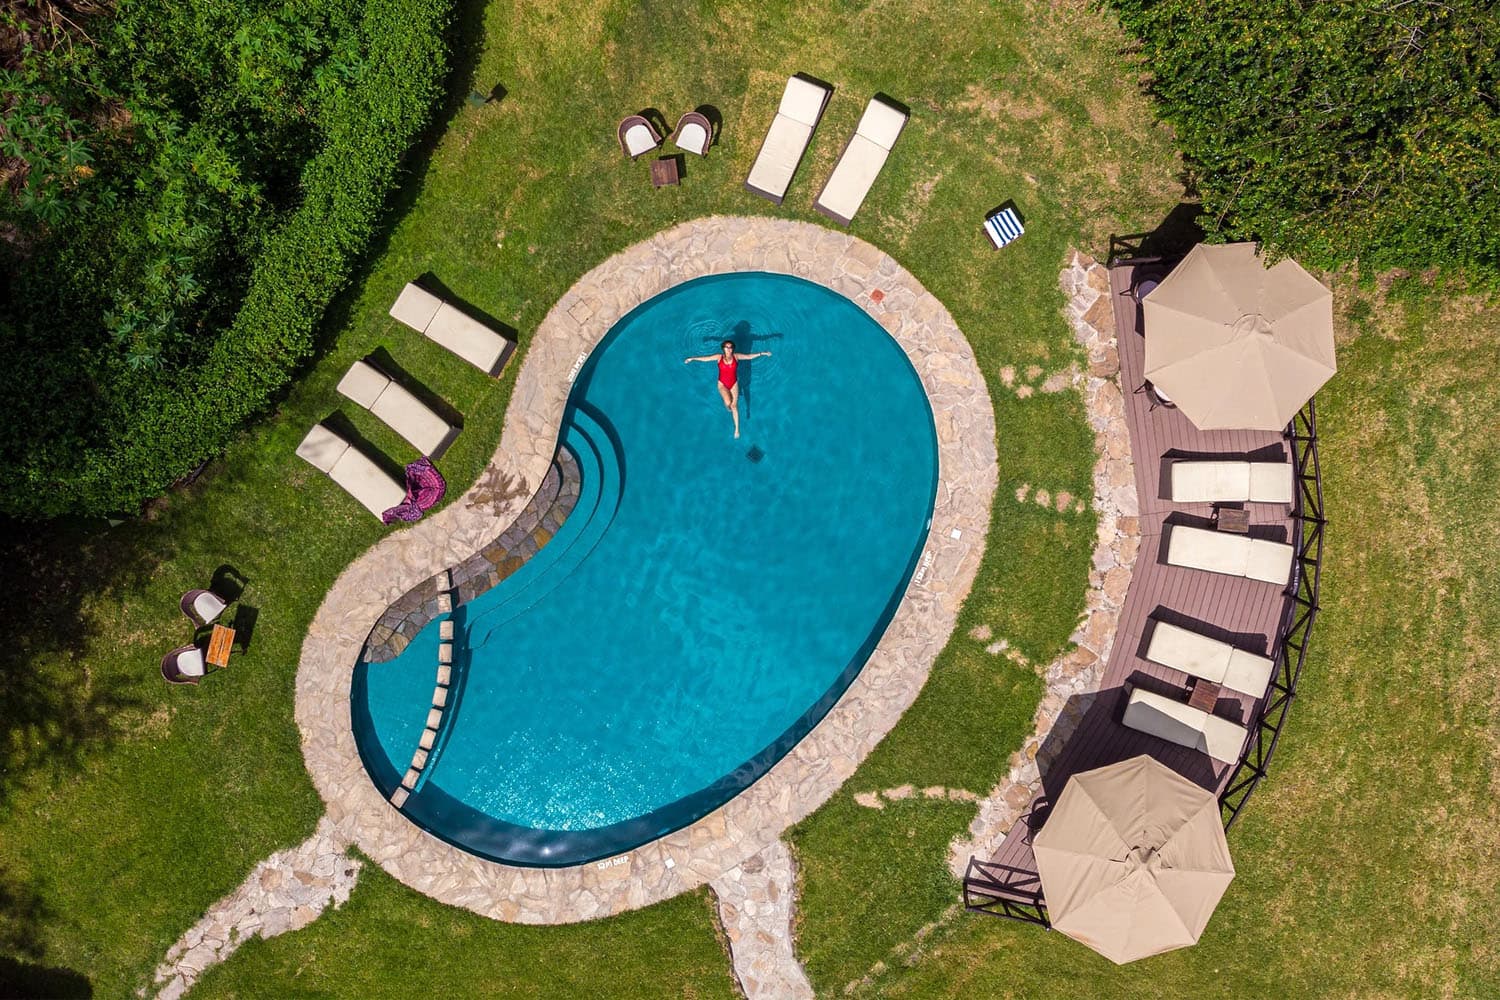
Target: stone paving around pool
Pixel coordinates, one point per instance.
(724, 841)
(532, 529)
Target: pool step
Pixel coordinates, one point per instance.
(592, 442)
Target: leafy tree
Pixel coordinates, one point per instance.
(1365, 130)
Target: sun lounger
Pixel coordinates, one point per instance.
(694, 133)
(406, 414)
(1213, 482)
(1206, 657)
(1180, 723)
(1234, 555)
(861, 161)
(352, 469)
(802, 105)
(1003, 227)
(444, 324)
(637, 136)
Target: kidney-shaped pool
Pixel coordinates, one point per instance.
(706, 602)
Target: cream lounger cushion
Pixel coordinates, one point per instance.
(351, 469)
(801, 106)
(1206, 657)
(1235, 555)
(1212, 482)
(1208, 482)
(1271, 482)
(415, 307)
(447, 326)
(406, 414)
(862, 160)
(1180, 723)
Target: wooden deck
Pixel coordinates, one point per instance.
(1245, 612)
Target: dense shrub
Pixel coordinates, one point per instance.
(238, 158)
(1366, 130)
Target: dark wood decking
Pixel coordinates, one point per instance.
(1244, 612)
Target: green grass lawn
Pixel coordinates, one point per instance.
(127, 808)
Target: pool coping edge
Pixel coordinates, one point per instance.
(811, 772)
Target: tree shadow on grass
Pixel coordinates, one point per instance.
(53, 710)
(23, 973)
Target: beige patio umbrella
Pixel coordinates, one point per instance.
(1133, 860)
(1236, 344)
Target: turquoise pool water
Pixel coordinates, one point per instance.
(707, 601)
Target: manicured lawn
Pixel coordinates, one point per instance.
(127, 808)
(390, 942)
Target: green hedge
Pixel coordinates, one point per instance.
(1362, 131)
(161, 428)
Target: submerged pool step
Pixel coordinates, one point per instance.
(594, 446)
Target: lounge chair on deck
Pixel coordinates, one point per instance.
(352, 469)
(1206, 657)
(407, 415)
(444, 324)
(1233, 555)
(1213, 482)
(861, 161)
(801, 108)
(637, 136)
(202, 606)
(1180, 723)
(694, 133)
(183, 666)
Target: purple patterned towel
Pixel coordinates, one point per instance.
(424, 488)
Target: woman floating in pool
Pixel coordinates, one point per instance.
(729, 383)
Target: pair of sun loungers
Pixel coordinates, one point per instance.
(369, 387)
(1219, 551)
(802, 106)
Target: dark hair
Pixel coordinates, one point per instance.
(728, 343)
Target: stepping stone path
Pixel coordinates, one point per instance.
(1086, 283)
(285, 892)
(874, 800)
(755, 906)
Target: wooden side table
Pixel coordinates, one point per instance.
(1205, 695)
(664, 171)
(1232, 519)
(219, 645)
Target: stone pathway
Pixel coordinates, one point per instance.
(755, 906)
(285, 892)
(802, 780)
(878, 799)
(1086, 283)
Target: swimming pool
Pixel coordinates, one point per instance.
(705, 604)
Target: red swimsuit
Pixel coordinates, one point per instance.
(727, 371)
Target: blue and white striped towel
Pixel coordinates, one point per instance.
(1003, 227)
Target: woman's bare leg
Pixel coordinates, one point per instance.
(731, 399)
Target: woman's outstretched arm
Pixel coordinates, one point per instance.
(704, 357)
(746, 357)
